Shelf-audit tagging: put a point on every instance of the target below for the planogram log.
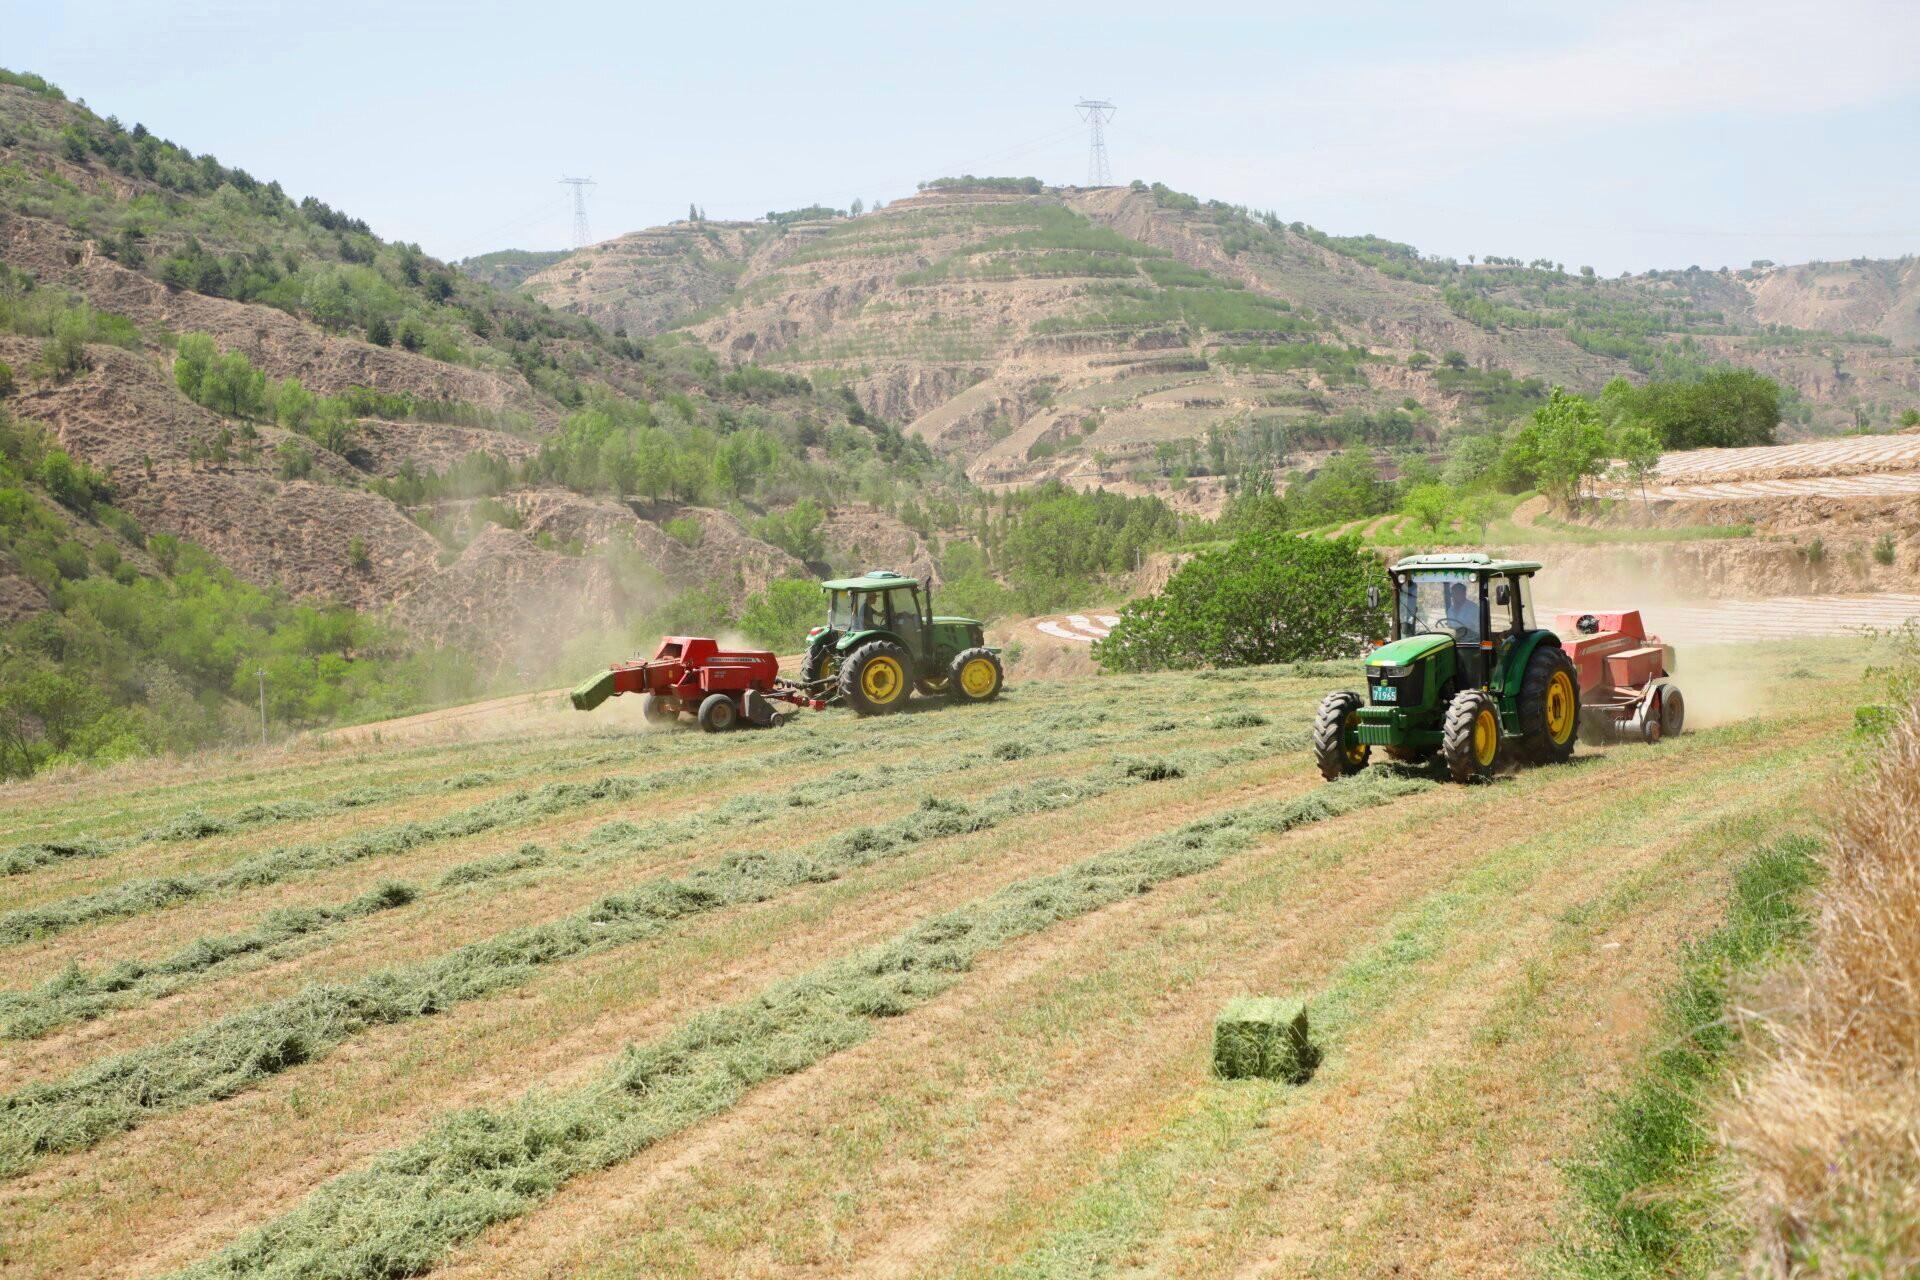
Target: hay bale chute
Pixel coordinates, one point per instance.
(1263, 1038)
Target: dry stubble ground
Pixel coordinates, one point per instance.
(1479, 961)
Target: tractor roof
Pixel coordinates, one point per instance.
(1465, 561)
(871, 580)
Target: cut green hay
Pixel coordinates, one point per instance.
(236, 1052)
(1263, 1038)
(1651, 1189)
(76, 995)
(610, 844)
(1237, 720)
(400, 1214)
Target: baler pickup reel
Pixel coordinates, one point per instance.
(693, 674)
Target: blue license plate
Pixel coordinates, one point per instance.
(1385, 693)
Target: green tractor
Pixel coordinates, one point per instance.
(881, 641)
(1465, 676)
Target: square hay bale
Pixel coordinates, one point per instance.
(1260, 1037)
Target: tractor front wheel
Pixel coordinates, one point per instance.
(1470, 737)
(821, 671)
(876, 678)
(1339, 716)
(1549, 706)
(717, 713)
(975, 675)
(655, 709)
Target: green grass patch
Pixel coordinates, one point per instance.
(1650, 1190)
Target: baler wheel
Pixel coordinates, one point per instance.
(1470, 737)
(1339, 713)
(876, 678)
(1549, 706)
(654, 710)
(1673, 712)
(717, 713)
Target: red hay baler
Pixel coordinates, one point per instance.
(1626, 689)
(721, 687)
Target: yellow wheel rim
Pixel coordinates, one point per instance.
(1357, 753)
(1486, 738)
(978, 678)
(882, 679)
(1562, 706)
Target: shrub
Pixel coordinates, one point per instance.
(357, 556)
(1269, 597)
(6, 378)
(293, 460)
(684, 530)
(778, 618)
(1883, 549)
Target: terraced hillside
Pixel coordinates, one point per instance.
(923, 996)
(1116, 335)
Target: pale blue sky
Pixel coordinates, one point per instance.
(1623, 136)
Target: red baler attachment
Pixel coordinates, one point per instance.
(1626, 688)
(694, 674)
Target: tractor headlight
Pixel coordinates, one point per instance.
(1393, 673)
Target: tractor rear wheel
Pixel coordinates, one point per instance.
(655, 709)
(1549, 706)
(1470, 736)
(1339, 714)
(975, 675)
(717, 713)
(876, 678)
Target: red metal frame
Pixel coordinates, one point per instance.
(689, 669)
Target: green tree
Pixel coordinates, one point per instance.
(1269, 597)
(1638, 448)
(778, 618)
(1429, 504)
(1908, 417)
(6, 379)
(190, 363)
(65, 353)
(1562, 446)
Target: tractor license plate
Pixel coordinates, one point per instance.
(1385, 693)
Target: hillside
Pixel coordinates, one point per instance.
(395, 436)
(1115, 336)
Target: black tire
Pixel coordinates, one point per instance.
(655, 709)
(718, 714)
(1330, 749)
(820, 671)
(1673, 712)
(1549, 706)
(1470, 753)
(877, 678)
(966, 676)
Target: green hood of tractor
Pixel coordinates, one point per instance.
(1410, 649)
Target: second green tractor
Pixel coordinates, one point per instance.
(882, 641)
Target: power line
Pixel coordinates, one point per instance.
(1096, 113)
(581, 237)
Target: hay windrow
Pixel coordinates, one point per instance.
(610, 844)
(400, 1214)
(232, 1054)
(78, 995)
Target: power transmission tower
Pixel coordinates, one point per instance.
(1096, 113)
(581, 237)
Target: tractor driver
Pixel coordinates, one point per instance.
(1463, 615)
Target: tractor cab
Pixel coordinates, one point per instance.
(882, 640)
(1478, 604)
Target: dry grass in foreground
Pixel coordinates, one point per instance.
(1830, 1125)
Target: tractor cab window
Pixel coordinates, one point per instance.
(1502, 602)
(840, 610)
(903, 614)
(1441, 602)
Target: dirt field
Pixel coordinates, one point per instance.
(928, 996)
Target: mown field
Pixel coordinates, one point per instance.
(923, 996)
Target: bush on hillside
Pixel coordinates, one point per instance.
(1270, 597)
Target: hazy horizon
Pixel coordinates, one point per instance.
(1636, 136)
